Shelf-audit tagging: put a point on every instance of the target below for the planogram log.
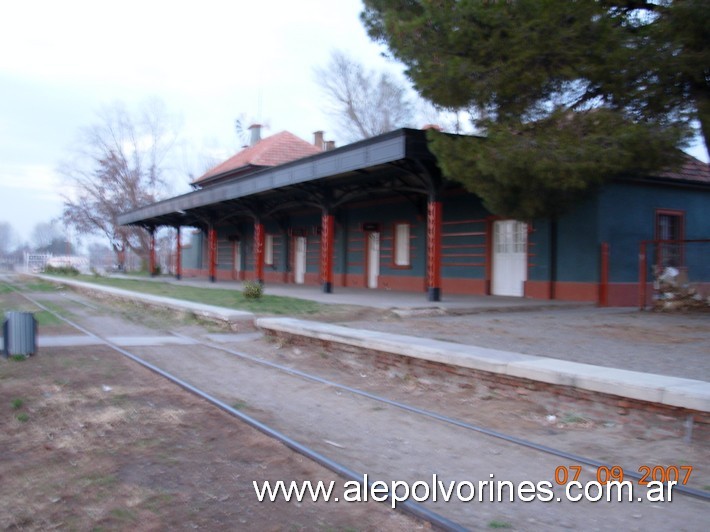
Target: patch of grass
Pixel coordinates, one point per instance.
(23, 417)
(156, 502)
(571, 418)
(45, 319)
(499, 524)
(58, 309)
(221, 297)
(18, 358)
(98, 479)
(123, 515)
(17, 404)
(239, 405)
(39, 285)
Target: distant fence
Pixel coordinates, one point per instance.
(674, 274)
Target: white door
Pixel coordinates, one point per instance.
(299, 266)
(510, 257)
(373, 259)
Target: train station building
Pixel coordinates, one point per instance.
(378, 214)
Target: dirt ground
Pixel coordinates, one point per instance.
(142, 454)
(150, 456)
(90, 440)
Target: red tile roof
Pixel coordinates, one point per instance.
(277, 149)
(691, 169)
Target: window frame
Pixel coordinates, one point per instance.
(672, 255)
(397, 262)
(268, 249)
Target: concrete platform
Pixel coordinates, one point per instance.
(661, 389)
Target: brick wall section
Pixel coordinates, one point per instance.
(596, 406)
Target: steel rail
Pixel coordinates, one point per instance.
(693, 492)
(408, 506)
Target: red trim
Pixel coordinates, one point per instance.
(670, 212)
(434, 215)
(151, 253)
(400, 283)
(624, 295)
(572, 291)
(259, 237)
(326, 247)
(464, 286)
(212, 252)
(604, 276)
(538, 289)
(681, 236)
(178, 254)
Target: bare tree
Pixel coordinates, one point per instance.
(365, 103)
(8, 238)
(118, 165)
(44, 235)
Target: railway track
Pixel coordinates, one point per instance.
(410, 507)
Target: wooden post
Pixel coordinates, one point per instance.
(434, 211)
(326, 251)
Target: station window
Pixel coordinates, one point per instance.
(669, 231)
(401, 245)
(269, 250)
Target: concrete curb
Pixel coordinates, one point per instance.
(670, 391)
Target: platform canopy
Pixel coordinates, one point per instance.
(398, 162)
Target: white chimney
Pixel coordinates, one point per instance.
(318, 140)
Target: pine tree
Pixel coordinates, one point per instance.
(565, 94)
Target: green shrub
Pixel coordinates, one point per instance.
(61, 270)
(253, 290)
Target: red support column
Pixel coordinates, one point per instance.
(178, 255)
(259, 237)
(434, 211)
(212, 252)
(604, 276)
(151, 253)
(326, 251)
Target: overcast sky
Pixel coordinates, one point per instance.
(210, 62)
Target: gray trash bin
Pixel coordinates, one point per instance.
(20, 333)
